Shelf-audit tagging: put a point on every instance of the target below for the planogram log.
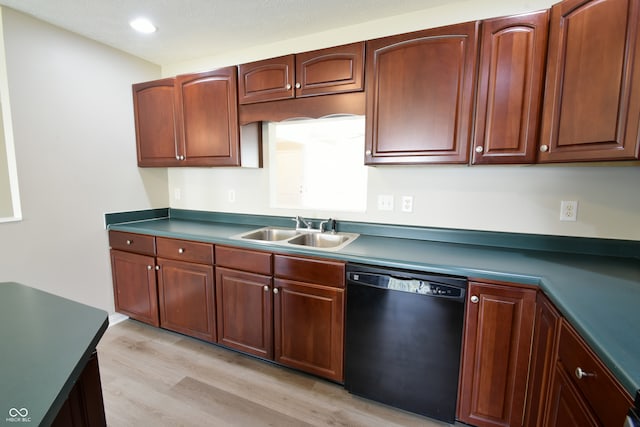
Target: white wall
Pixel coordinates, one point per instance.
(75, 148)
(502, 198)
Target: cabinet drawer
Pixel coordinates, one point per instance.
(131, 242)
(185, 250)
(606, 397)
(310, 270)
(242, 259)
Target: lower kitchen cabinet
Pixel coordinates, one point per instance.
(134, 286)
(186, 287)
(583, 391)
(308, 325)
(495, 356)
(134, 278)
(84, 406)
(566, 408)
(187, 302)
(244, 300)
(309, 315)
(547, 325)
(245, 312)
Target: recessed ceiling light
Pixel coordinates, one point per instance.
(143, 25)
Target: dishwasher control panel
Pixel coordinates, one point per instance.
(406, 284)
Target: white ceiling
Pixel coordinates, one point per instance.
(190, 29)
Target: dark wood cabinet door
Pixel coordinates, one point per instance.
(309, 328)
(187, 303)
(155, 119)
(420, 89)
(332, 70)
(266, 80)
(592, 94)
(510, 82)
(208, 132)
(245, 311)
(85, 406)
(543, 357)
(134, 286)
(566, 407)
(495, 357)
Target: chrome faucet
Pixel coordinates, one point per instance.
(301, 221)
(307, 225)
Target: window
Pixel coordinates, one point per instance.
(318, 164)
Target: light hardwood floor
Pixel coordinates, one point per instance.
(153, 377)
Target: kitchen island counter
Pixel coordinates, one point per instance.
(598, 294)
(46, 343)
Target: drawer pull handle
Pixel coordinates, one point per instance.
(180, 250)
(474, 299)
(129, 242)
(580, 374)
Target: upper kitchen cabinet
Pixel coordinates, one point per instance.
(510, 82)
(155, 117)
(191, 120)
(320, 72)
(592, 95)
(208, 132)
(420, 90)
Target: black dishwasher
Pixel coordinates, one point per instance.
(404, 338)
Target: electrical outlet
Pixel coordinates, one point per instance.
(231, 196)
(407, 203)
(385, 202)
(568, 210)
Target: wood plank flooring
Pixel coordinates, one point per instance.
(153, 377)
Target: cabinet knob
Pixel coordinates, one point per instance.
(177, 157)
(298, 85)
(479, 149)
(129, 242)
(180, 250)
(275, 291)
(266, 288)
(474, 299)
(181, 157)
(368, 152)
(580, 374)
(544, 148)
(149, 267)
(157, 268)
(288, 86)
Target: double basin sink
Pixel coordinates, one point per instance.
(297, 237)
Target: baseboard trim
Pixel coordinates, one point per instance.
(116, 318)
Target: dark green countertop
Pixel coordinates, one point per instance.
(45, 341)
(599, 295)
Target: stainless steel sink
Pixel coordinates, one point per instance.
(293, 237)
(270, 234)
(321, 240)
